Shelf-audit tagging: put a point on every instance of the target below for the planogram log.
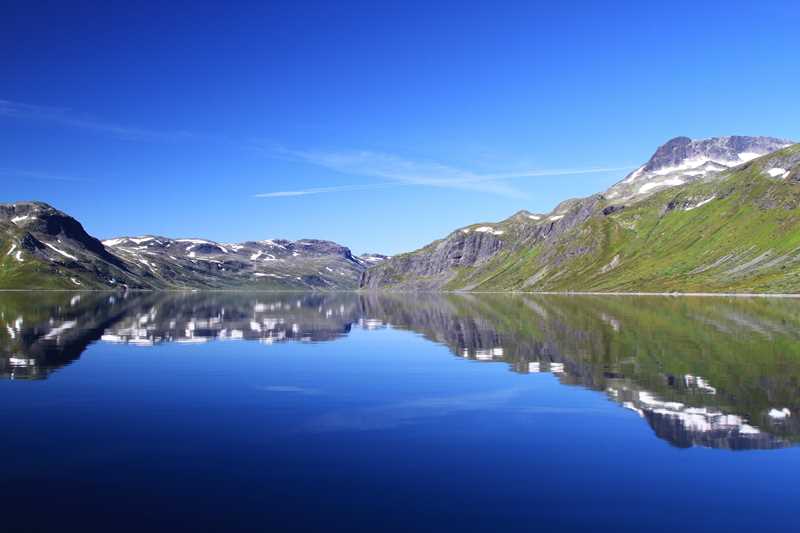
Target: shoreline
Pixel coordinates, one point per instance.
(544, 293)
(643, 293)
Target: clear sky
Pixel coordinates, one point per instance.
(381, 127)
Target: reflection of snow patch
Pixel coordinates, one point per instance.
(779, 413)
(700, 383)
(483, 355)
(55, 332)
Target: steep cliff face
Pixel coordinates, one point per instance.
(734, 230)
(453, 261)
(437, 263)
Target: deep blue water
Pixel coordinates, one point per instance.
(397, 413)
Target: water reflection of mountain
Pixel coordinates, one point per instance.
(50, 330)
(722, 373)
(41, 332)
(267, 318)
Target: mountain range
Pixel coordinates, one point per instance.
(43, 248)
(712, 215)
(708, 215)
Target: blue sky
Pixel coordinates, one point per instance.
(381, 127)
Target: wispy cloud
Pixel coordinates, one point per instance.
(324, 190)
(68, 118)
(397, 171)
(26, 174)
(288, 389)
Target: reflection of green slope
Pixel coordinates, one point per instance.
(747, 349)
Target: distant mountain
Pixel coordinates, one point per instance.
(687, 220)
(43, 248)
(200, 263)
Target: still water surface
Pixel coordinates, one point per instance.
(270, 411)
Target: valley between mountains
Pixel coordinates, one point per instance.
(709, 215)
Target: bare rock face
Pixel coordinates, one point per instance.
(434, 266)
(724, 150)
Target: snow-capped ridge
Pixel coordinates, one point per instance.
(682, 160)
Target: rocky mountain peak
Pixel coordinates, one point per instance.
(48, 223)
(728, 151)
(682, 160)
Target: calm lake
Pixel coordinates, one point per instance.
(345, 411)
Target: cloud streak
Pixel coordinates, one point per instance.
(398, 172)
(391, 170)
(325, 190)
(67, 118)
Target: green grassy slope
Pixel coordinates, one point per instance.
(32, 273)
(739, 233)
